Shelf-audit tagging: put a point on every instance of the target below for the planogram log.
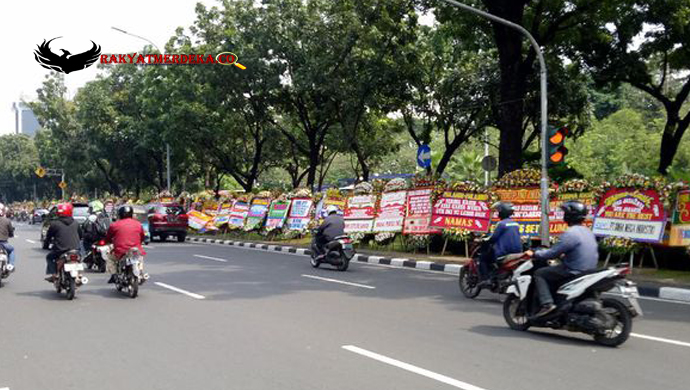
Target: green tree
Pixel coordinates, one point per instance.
(645, 44)
(18, 161)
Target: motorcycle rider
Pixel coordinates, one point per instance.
(7, 231)
(578, 246)
(96, 226)
(65, 234)
(504, 240)
(124, 234)
(332, 227)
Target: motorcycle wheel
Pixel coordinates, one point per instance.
(314, 263)
(133, 289)
(72, 288)
(468, 283)
(621, 331)
(344, 265)
(511, 307)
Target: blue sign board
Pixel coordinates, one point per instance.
(424, 156)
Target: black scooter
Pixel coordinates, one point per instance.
(337, 252)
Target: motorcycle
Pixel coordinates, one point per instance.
(580, 307)
(338, 253)
(130, 273)
(4, 261)
(501, 273)
(70, 267)
(95, 260)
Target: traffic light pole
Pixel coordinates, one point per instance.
(544, 113)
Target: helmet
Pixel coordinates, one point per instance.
(96, 206)
(65, 210)
(125, 212)
(574, 212)
(3, 209)
(505, 209)
(331, 209)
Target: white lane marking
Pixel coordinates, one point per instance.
(211, 258)
(4, 388)
(181, 291)
(30, 242)
(339, 281)
(661, 339)
(411, 368)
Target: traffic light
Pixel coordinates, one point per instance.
(557, 149)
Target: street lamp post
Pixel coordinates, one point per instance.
(544, 115)
(167, 145)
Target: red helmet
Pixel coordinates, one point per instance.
(65, 209)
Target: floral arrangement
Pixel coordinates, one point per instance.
(637, 182)
(264, 194)
(575, 185)
(457, 234)
(421, 180)
(520, 178)
(671, 190)
(364, 188)
(292, 234)
(382, 238)
(619, 245)
(417, 241)
(464, 186)
(357, 237)
(397, 184)
(378, 185)
(300, 193)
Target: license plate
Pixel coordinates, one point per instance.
(74, 267)
(631, 294)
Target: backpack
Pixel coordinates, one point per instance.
(102, 224)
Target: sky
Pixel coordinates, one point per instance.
(26, 23)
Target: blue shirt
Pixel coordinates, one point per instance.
(506, 238)
(579, 246)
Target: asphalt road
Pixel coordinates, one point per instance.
(234, 318)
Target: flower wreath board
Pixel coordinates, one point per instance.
(418, 212)
(238, 214)
(298, 218)
(680, 230)
(257, 213)
(637, 214)
(390, 214)
(359, 213)
(525, 202)
(462, 209)
(277, 213)
(557, 225)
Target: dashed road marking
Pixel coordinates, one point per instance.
(339, 281)
(179, 290)
(211, 258)
(409, 367)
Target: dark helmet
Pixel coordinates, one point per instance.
(125, 212)
(505, 209)
(574, 212)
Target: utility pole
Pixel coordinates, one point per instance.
(167, 145)
(544, 112)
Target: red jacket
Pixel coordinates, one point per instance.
(126, 234)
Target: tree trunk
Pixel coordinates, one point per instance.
(513, 78)
(670, 140)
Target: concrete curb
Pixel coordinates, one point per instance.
(452, 269)
(670, 293)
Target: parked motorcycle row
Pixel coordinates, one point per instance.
(580, 305)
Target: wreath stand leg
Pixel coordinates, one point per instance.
(656, 265)
(443, 251)
(632, 262)
(608, 257)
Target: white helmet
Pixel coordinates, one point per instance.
(331, 209)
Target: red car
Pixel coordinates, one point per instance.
(167, 219)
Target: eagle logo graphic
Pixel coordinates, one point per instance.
(67, 62)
